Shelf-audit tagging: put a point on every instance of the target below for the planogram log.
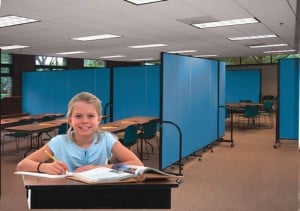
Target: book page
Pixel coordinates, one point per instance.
(35, 174)
(102, 174)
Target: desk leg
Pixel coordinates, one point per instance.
(231, 131)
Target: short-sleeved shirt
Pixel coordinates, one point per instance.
(98, 153)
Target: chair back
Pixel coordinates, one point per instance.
(130, 136)
(47, 118)
(251, 111)
(150, 130)
(268, 105)
(63, 128)
(25, 121)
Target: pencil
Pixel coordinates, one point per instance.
(50, 156)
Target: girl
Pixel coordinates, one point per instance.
(83, 147)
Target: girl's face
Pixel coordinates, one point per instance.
(84, 119)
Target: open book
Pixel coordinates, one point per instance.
(117, 174)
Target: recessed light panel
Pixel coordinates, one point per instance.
(12, 20)
(183, 51)
(97, 37)
(147, 46)
(226, 23)
(71, 52)
(252, 37)
(268, 46)
(110, 57)
(139, 2)
(280, 51)
(12, 47)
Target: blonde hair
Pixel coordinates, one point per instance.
(83, 97)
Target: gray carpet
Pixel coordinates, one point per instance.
(251, 176)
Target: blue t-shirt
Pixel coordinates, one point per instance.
(98, 153)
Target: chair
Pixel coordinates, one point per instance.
(267, 110)
(251, 114)
(46, 119)
(63, 128)
(17, 135)
(130, 136)
(148, 132)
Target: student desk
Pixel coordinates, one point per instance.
(37, 128)
(120, 126)
(43, 193)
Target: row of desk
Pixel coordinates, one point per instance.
(39, 128)
(69, 194)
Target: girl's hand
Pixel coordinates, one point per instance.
(56, 167)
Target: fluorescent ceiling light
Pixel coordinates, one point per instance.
(252, 37)
(139, 2)
(267, 46)
(147, 46)
(208, 55)
(12, 20)
(96, 37)
(226, 23)
(280, 51)
(71, 52)
(183, 51)
(11, 47)
(114, 56)
(144, 59)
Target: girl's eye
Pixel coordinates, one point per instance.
(78, 116)
(91, 116)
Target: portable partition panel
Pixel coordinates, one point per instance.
(189, 99)
(221, 99)
(136, 91)
(288, 100)
(243, 85)
(50, 92)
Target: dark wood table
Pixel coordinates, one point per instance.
(9, 122)
(120, 125)
(38, 129)
(64, 193)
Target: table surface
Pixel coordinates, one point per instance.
(7, 122)
(37, 127)
(120, 125)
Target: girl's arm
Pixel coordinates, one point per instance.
(36, 162)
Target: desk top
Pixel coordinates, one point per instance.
(7, 122)
(243, 104)
(30, 181)
(122, 124)
(37, 127)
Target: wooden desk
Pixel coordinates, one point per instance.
(120, 125)
(9, 122)
(69, 194)
(38, 128)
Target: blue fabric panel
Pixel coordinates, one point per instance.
(289, 99)
(190, 100)
(222, 84)
(243, 85)
(50, 92)
(136, 91)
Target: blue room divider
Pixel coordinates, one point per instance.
(190, 99)
(136, 91)
(243, 85)
(50, 92)
(289, 100)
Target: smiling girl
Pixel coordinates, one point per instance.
(83, 147)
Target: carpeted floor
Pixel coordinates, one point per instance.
(251, 176)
